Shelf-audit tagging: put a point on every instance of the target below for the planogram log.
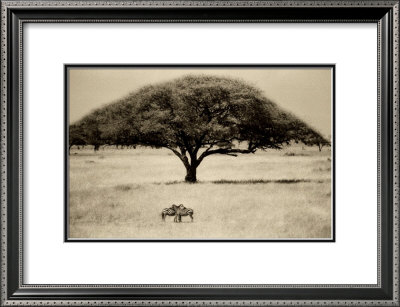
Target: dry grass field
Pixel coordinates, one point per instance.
(119, 193)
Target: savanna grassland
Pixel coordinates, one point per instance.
(119, 193)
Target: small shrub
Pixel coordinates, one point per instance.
(293, 154)
(173, 182)
(292, 180)
(123, 187)
(289, 154)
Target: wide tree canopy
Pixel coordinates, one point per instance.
(194, 116)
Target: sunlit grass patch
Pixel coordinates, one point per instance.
(228, 181)
(259, 181)
(265, 195)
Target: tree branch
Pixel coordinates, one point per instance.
(225, 151)
(231, 154)
(186, 142)
(182, 157)
(199, 143)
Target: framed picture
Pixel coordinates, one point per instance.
(199, 153)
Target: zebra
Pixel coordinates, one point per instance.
(168, 211)
(182, 211)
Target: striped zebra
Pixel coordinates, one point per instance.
(182, 211)
(168, 211)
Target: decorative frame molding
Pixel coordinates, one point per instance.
(14, 292)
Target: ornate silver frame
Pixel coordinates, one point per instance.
(15, 292)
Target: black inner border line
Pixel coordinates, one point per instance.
(182, 66)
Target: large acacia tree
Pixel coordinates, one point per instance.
(195, 117)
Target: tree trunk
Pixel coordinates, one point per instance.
(191, 174)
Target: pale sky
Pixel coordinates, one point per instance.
(306, 92)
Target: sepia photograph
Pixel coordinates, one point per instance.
(199, 153)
